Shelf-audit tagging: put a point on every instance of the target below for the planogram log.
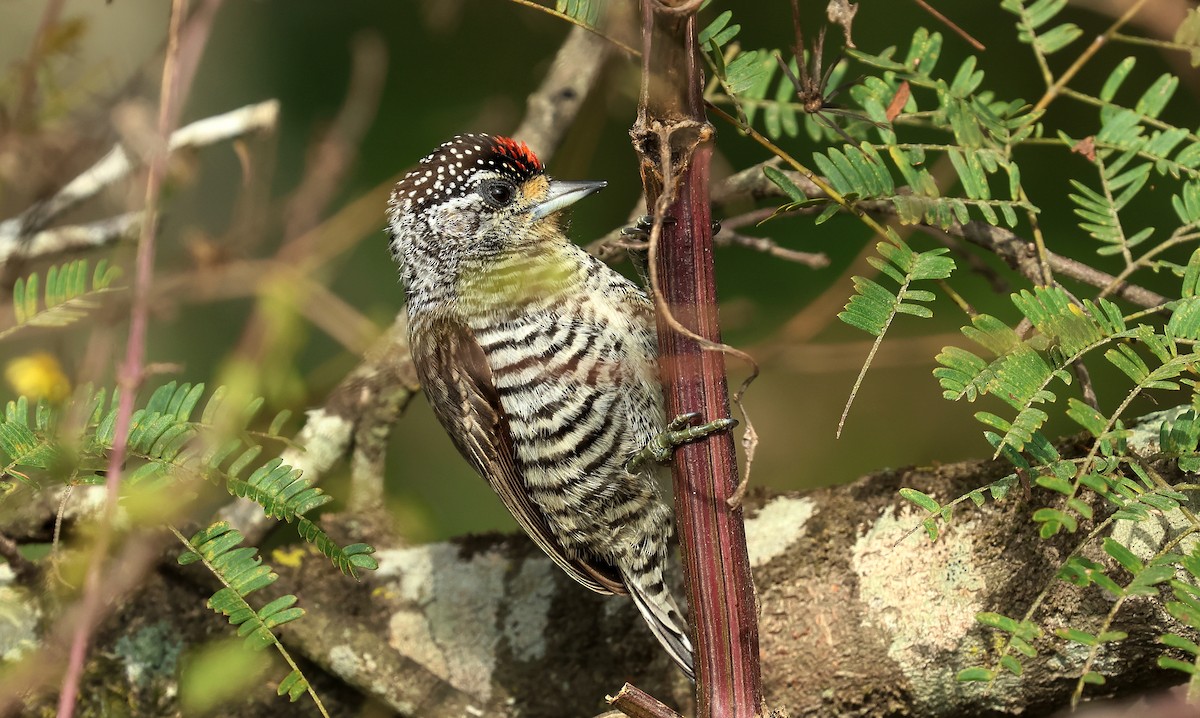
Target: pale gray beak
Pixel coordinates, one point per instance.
(564, 194)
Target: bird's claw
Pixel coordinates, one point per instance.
(679, 431)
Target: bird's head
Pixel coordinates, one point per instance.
(478, 196)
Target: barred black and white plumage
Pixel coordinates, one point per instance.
(541, 363)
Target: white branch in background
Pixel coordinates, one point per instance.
(112, 168)
(73, 237)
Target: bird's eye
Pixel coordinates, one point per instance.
(499, 194)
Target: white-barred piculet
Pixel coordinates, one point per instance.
(541, 362)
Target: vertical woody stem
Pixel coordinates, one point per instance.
(674, 142)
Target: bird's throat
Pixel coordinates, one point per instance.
(519, 281)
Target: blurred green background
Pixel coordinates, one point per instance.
(456, 66)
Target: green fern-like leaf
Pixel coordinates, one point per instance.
(27, 444)
(1187, 203)
(1022, 371)
(1069, 327)
(242, 572)
(585, 11)
(71, 291)
(873, 307)
(285, 494)
(1185, 609)
(1100, 211)
(166, 440)
(720, 31)
(1033, 19)
(963, 374)
(1020, 637)
(1137, 131)
(936, 512)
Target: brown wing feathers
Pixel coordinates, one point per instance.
(459, 384)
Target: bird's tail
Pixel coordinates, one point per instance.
(662, 614)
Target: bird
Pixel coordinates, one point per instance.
(541, 363)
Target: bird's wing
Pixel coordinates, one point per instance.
(462, 392)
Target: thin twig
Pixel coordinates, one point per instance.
(815, 260)
(1092, 49)
(728, 237)
(174, 87)
(74, 237)
(29, 73)
(1019, 252)
(563, 16)
(950, 24)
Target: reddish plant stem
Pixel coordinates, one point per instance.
(721, 594)
(129, 375)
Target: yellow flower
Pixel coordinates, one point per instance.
(37, 376)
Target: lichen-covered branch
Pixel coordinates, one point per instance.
(851, 622)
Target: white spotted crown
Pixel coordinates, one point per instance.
(446, 172)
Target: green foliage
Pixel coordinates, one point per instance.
(1032, 22)
(71, 291)
(873, 307)
(242, 572)
(1101, 212)
(1020, 372)
(983, 130)
(1026, 366)
(935, 512)
(1185, 608)
(167, 445)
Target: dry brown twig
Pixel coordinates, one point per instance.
(636, 703)
(25, 235)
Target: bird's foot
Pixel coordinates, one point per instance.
(680, 431)
(640, 231)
